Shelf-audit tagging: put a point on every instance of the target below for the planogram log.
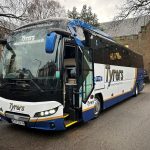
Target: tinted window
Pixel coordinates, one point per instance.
(106, 52)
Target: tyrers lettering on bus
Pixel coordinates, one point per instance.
(113, 75)
(16, 107)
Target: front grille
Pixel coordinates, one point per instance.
(16, 116)
(31, 96)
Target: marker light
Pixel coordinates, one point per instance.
(46, 113)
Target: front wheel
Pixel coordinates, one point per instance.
(97, 107)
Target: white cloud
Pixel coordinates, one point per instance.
(105, 9)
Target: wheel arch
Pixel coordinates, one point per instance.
(100, 97)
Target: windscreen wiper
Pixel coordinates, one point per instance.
(37, 86)
(16, 84)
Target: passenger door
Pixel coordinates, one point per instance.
(87, 73)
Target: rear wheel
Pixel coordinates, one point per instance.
(97, 107)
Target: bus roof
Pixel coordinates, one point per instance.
(64, 22)
(46, 22)
(77, 22)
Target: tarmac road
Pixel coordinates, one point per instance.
(125, 126)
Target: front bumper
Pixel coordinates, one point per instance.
(23, 113)
(49, 125)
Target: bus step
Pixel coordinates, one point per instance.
(66, 115)
(69, 123)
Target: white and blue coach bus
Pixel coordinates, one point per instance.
(57, 72)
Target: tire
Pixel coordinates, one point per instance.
(136, 91)
(97, 108)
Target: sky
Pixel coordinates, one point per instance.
(105, 9)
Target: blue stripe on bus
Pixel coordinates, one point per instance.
(88, 115)
(45, 125)
(140, 79)
(4, 118)
(116, 100)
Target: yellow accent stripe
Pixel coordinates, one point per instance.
(86, 109)
(45, 119)
(68, 125)
(66, 116)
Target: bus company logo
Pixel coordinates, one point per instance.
(113, 75)
(98, 78)
(28, 38)
(16, 107)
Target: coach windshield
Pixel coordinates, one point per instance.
(26, 66)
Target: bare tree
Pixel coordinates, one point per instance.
(13, 11)
(86, 15)
(42, 9)
(135, 8)
(22, 11)
(74, 14)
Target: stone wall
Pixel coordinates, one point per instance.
(139, 43)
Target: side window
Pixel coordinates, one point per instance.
(106, 52)
(119, 56)
(126, 58)
(136, 60)
(132, 57)
(99, 49)
(113, 55)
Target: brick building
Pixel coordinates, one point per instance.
(133, 33)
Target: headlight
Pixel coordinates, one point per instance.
(46, 113)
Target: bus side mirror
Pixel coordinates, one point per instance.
(50, 42)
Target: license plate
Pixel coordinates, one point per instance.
(18, 122)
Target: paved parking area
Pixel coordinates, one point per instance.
(125, 126)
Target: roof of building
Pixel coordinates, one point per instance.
(131, 26)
